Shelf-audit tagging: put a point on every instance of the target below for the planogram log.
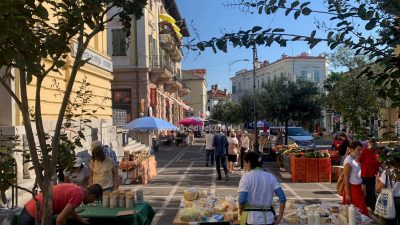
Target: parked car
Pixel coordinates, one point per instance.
(298, 135)
(337, 141)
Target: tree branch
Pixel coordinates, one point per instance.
(28, 128)
(11, 93)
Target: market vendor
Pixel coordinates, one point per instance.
(256, 191)
(66, 197)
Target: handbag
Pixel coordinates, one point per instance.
(340, 185)
(384, 206)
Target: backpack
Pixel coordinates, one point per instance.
(340, 185)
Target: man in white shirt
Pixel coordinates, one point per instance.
(209, 148)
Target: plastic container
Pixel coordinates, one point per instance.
(310, 218)
(121, 200)
(106, 199)
(129, 201)
(317, 218)
(352, 215)
(139, 196)
(113, 200)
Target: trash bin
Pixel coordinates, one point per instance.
(155, 144)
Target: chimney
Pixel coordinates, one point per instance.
(225, 91)
(304, 54)
(212, 87)
(284, 56)
(266, 62)
(216, 87)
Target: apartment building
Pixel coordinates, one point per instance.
(197, 98)
(147, 67)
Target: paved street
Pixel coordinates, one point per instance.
(183, 167)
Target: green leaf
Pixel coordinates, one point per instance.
(200, 46)
(296, 38)
(297, 14)
(294, 4)
(29, 78)
(221, 44)
(260, 9)
(282, 3)
(278, 30)
(272, 2)
(255, 29)
(313, 33)
(370, 25)
(306, 11)
(41, 12)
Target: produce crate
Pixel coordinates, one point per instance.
(311, 170)
(298, 169)
(324, 170)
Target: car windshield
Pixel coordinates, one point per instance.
(297, 131)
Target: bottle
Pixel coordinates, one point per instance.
(310, 218)
(317, 218)
(352, 215)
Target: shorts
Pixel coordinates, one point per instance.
(232, 158)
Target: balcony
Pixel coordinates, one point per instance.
(161, 70)
(173, 85)
(167, 42)
(184, 90)
(176, 54)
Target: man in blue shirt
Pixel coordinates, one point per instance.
(220, 144)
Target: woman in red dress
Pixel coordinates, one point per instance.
(352, 193)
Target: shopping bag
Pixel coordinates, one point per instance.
(384, 206)
(340, 185)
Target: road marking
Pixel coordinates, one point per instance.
(170, 196)
(327, 189)
(292, 191)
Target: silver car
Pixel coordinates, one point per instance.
(297, 135)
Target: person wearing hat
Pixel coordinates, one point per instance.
(78, 174)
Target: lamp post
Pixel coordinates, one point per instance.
(255, 61)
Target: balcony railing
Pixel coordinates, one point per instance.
(160, 62)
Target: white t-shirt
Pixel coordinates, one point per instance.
(261, 187)
(355, 174)
(232, 150)
(209, 141)
(396, 185)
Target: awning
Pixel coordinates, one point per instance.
(176, 28)
(167, 18)
(178, 101)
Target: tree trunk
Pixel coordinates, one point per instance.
(47, 192)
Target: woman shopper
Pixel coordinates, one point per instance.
(102, 170)
(79, 174)
(381, 183)
(352, 193)
(256, 191)
(244, 147)
(369, 169)
(232, 151)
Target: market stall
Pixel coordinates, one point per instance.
(139, 167)
(197, 206)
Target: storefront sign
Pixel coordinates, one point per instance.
(153, 96)
(95, 59)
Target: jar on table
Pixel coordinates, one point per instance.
(121, 200)
(130, 200)
(113, 200)
(106, 199)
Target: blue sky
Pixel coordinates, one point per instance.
(211, 18)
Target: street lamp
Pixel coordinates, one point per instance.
(255, 64)
(229, 68)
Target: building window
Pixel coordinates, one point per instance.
(121, 99)
(240, 86)
(303, 75)
(233, 89)
(316, 76)
(118, 42)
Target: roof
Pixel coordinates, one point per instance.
(172, 9)
(218, 94)
(284, 58)
(195, 74)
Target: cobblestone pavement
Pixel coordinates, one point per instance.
(183, 167)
